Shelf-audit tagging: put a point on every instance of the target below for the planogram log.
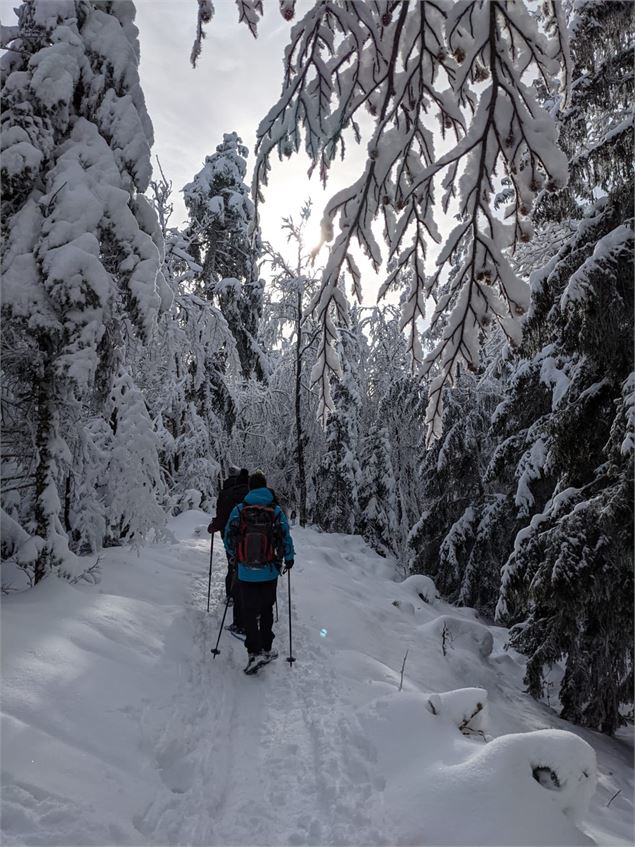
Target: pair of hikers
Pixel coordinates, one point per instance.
(257, 541)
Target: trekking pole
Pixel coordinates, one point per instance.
(291, 658)
(276, 610)
(215, 650)
(209, 584)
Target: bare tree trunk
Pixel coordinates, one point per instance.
(298, 412)
(67, 504)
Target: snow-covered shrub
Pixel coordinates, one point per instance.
(466, 708)
(421, 586)
(405, 606)
(546, 759)
(190, 499)
(451, 633)
(19, 552)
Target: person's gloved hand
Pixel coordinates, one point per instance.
(213, 526)
(288, 565)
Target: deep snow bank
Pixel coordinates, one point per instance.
(119, 728)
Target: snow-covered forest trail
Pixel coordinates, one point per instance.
(267, 759)
(120, 728)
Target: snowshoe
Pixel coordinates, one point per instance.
(236, 631)
(256, 661)
(270, 655)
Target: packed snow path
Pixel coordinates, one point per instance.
(267, 759)
(119, 727)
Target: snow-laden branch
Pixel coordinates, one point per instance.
(464, 64)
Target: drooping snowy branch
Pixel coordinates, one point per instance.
(249, 12)
(467, 65)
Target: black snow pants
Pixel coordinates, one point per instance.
(257, 600)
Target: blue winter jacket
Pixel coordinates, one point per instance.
(257, 497)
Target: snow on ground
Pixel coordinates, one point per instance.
(118, 726)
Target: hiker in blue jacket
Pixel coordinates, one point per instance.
(257, 538)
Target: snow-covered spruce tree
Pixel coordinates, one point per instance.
(183, 374)
(568, 582)
(452, 489)
(338, 475)
(378, 522)
(226, 243)
(80, 262)
(395, 403)
(134, 488)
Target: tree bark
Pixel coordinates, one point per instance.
(298, 412)
(42, 474)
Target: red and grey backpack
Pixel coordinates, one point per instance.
(259, 536)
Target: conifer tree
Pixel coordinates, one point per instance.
(568, 581)
(183, 374)
(134, 487)
(451, 485)
(81, 249)
(226, 243)
(338, 476)
(377, 490)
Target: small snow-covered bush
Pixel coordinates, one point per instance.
(405, 606)
(551, 759)
(453, 632)
(421, 586)
(190, 499)
(464, 707)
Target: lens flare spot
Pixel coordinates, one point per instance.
(323, 632)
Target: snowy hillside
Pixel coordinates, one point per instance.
(120, 728)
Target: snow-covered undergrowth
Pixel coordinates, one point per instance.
(120, 728)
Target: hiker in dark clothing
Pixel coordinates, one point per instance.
(234, 489)
(257, 535)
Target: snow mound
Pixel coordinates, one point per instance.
(405, 606)
(465, 708)
(453, 633)
(421, 586)
(548, 764)
(441, 788)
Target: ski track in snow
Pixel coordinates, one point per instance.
(225, 746)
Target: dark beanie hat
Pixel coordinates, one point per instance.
(257, 480)
(243, 476)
